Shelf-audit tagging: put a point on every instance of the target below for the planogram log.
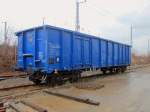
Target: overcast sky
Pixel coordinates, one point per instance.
(110, 19)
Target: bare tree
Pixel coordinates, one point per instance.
(8, 50)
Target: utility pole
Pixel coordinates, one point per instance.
(131, 40)
(15, 51)
(43, 20)
(148, 48)
(78, 14)
(5, 31)
(131, 36)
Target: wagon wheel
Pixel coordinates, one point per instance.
(104, 71)
(111, 71)
(50, 81)
(75, 77)
(118, 70)
(78, 76)
(72, 79)
(59, 80)
(53, 81)
(123, 69)
(37, 82)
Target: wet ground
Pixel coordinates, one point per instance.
(128, 92)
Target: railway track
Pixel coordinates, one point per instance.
(25, 90)
(16, 87)
(32, 88)
(33, 85)
(84, 77)
(19, 91)
(3, 77)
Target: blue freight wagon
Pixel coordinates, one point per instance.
(51, 54)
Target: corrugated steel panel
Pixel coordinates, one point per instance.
(49, 48)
